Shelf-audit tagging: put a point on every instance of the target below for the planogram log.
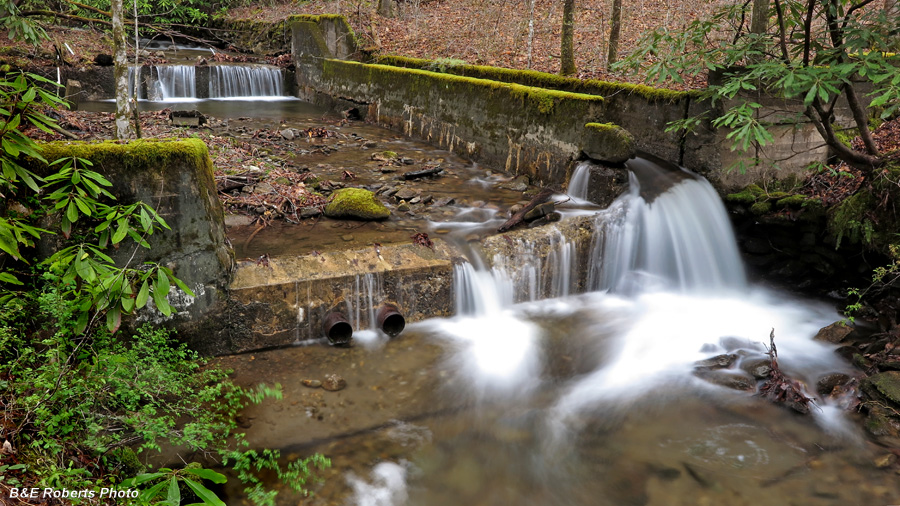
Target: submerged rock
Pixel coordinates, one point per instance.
(727, 379)
(311, 383)
(518, 184)
(717, 362)
(333, 383)
(356, 203)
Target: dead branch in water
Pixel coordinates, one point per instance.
(542, 196)
(781, 389)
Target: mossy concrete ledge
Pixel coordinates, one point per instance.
(176, 178)
(286, 300)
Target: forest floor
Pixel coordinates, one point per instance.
(496, 32)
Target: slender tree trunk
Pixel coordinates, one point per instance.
(530, 30)
(614, 29)
(759, 18)
(122, 129)
(387, 8)
(567, 47)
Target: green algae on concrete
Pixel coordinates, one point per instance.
(356, 203)
(538, 79)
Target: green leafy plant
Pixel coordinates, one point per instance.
(883, 278)
(168, 483)
(77, 403)
(250, 463)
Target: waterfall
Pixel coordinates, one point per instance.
(578, 183)
(531, 273)
(230, 81)
(362, 301)
(174, 83)
(669, 231)
(679, 238)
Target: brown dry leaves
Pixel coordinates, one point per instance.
(495, 32)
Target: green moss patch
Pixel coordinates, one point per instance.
(539, 79)
(887, 385)
(544, 100)
(761, 208)
(607, 142)
(849, 219)
(356, 203)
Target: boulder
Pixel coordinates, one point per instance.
(356, 203)
(607, 142)
(885, 385)
(834, 333)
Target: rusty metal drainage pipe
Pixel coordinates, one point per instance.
(337, 328)
(389, 320)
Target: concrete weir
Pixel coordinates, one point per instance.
(289, 297)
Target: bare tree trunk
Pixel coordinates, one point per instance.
(759, 18)
(530, 30)
(614, 29)
(567, 47)
(122, 129)
(387, 8)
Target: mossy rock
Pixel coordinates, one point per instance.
(356, 203)
(744, 197)
(760, 208)
(607, 142)
(880, 424)
(886, 384)
(777, 195)
(127, 461)
(792, 201)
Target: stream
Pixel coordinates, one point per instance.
(598, 398)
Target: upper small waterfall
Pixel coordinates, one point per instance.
(578, 183)
(228, 81)
(174, 83)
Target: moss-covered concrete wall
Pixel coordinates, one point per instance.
(176, 178)
(526, 130)
(643, 111)
(428, 99)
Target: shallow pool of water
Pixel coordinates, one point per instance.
(587, 400)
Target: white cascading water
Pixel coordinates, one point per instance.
(682, 241)
(578, 183)
(667, 266)
(240, 81)
(571, 396)
(178, 83)
(173, 83)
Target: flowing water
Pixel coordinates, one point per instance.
(536, 394)
(173, 84)
(585, 399)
